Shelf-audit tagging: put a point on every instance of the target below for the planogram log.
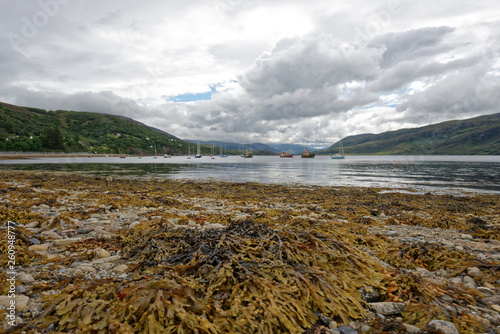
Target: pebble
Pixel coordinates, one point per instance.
(469, 280)
(444, 326)
(21, 302)
(26, 278)
(446, 298)
(473, 272)
(62, 242)
(84, 230)
(369, 294)
(466, 236)
(101, 253)
(346, 330)
(485, 291)
(34, 241)
(120, 269)
(387, 308)
(38, 248)
(456, 280)
(491, 300)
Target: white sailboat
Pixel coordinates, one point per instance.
(156, 155)
(198, 154)
(189, 152)
(339, 155)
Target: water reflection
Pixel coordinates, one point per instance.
(473, 173)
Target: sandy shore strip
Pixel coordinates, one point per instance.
(89, 254)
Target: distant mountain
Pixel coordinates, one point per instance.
(37, 130)
(296, 149)
(236, 148)
(479, 135)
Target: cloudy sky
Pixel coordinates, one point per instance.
(255, 71)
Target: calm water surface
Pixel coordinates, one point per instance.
(423, 173)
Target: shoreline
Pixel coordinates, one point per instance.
(385, 259)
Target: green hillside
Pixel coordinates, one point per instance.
(479, 135)
(37, 130)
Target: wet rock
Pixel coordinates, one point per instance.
(469, 280)
(120, 269)
(491, 300)
(473, 271)
(20, 301)
(370, 294)
(456, 280)
(38, 248)
(410, 329)
(34, 241)
(101, 253)
(26, 278)
(485, 291)
(62, 242)
(50, 235)
(495, 308)
(332, 324)
(68, 233)
(466, 236)
(444, 326)
(387, 308)
(84, 230)
(347, 330)
(446, 298)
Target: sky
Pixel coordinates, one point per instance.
(275, 71)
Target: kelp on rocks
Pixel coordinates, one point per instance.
(209, 257)
(245, 278)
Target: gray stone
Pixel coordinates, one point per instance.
(446, 298)
(469, 280)
(34, 241)
(26, 278)
(485, 291)
(443, 326)
(411, 329)
(369, 294)
(491, 300)
(466, 236)
(456, 280)
(62, 242)
(387, 308)
(84, 230)
(347, 330)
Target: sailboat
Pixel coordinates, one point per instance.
(156, 155)
(248, 153)
(212, 156)
(198, 154)
(339, 155)
(189, 152)
(222, 155)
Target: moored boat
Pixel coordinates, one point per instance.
(286, 154)
(306, 154)
(339, 155)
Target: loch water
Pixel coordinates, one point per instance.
(417, 173)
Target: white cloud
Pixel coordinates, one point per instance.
(283, 70)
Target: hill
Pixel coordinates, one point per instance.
(479, 135)
(37, 130)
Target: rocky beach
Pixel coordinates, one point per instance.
(123, 254)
